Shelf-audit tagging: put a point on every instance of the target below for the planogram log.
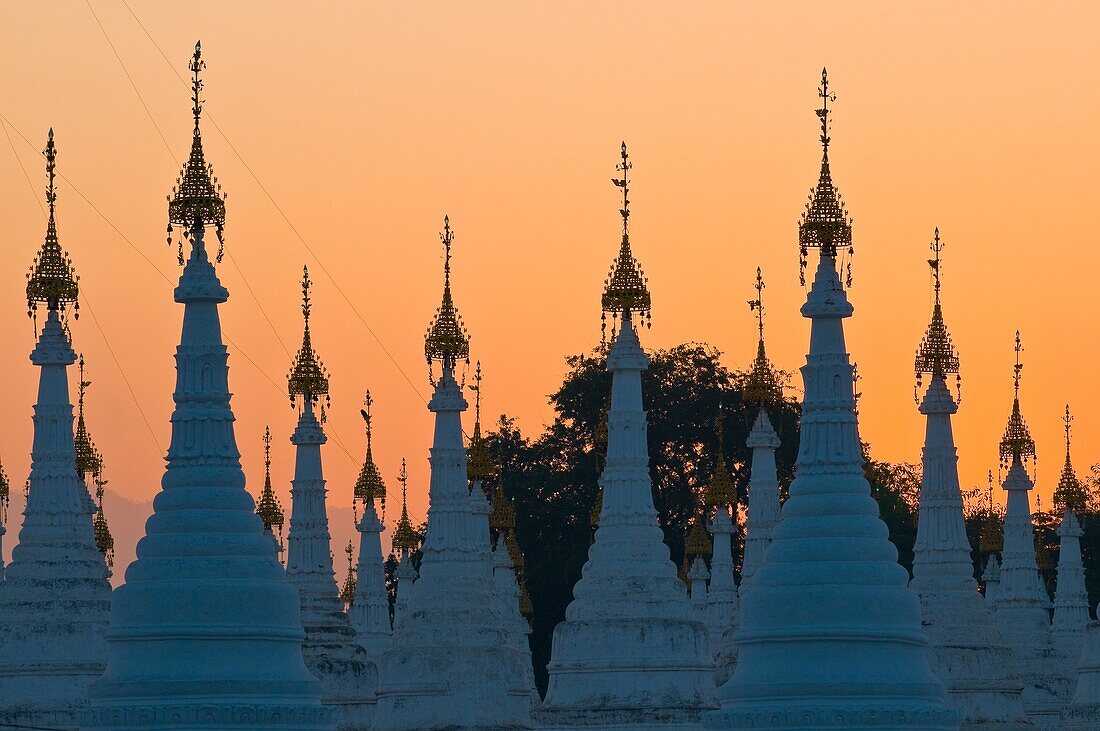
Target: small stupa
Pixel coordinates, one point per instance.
(451, 665)
(347, 591)
(830, 633)
(205, 632)
(721, 501)
(55, 597)
(1071, 600)
(972, 658)
(370, 608)
(698, 548)
(348, 677)
(268, 506)
(1083, 712)
(601, 673)
(991, 577)
(404, 544)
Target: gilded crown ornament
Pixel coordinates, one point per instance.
(404, 537)
(936, 355)
(991, 536)
(88, 459)
(446, 340)
(52, 281)
(479, 468)
(104, 541)
(825, 224)
(763, 386)
(721, 492)
(268, 507)
(1069, 492)
(698, 542)
(347, 592)
(1016, 444)
(5, 495)
(308, 378)
(626, 289)
(369, 486)
(197, 198)
(502, 518)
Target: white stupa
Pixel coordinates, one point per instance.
(332, 653)
(1071, 601)
(54, 598)
(404, 544)
(451, 665)
(370, 609)
(629, 653)
(830, 634)
(1083, 712)
(722, 603)
(991, 577)
(1021, 603)
(972, 658)
(206, 632)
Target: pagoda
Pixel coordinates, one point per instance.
(763, 390)
(403, 545)
(1021, 600)
(205, 632)
(268, 506)
(348, 677)
(601, 674)
(830, 634)
(451, 665)
(1083, 712)
(370, 609)
(722, 600)
(55, 599)
(1071, 600)
(972, 658)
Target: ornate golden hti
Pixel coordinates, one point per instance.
(721, 492)
(347, 592)
(626, 289)
(936, 355)
(446, 340)
(404, 539)
(88, 459)
(52, 281)
(197, 198)
(5, 495)
(764, 385)
(479, 468)
(104, 541)
(268, 507)
(825, 224)
(369, 486)
(1070, 492)
(1017, 444)
(308, 378)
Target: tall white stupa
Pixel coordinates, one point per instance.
(206, 631)
(972, 658)
(370, 610)
(602, 673)
(451, 665)
(830, 634)
(348, 677)
(1021, 601)
(54, 598)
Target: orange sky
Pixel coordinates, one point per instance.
(366, 122)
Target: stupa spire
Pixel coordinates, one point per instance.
(55, 598)
(972, 658)
(405, 542)
(204, 563)
(5, 498)
(838, 662)
(104, 541)
(721, 499)
(268, 507)
(450, 664)
(479, 468)
(370, 610)
(628, 587)
(1070, 493)
(347, 591)
(348, 677)
(764, 386)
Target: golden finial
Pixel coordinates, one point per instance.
(88, 459)
(197, 199)
(698, 541)
(763, 385)
(625, 290)
(503, 516)
(5, 495)
(447, 340)
(990, 538)
(104, 541)
(369, 486)
(404, 539)
(721, 491)
(1017, 444)
(308, 377)
(1069, 492)
(52, 280)
(268, 507)
(936, 355)
(479, 467)
(825, 224)
(347, 593)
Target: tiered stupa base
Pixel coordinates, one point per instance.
(348, 678)
(1083, 713)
